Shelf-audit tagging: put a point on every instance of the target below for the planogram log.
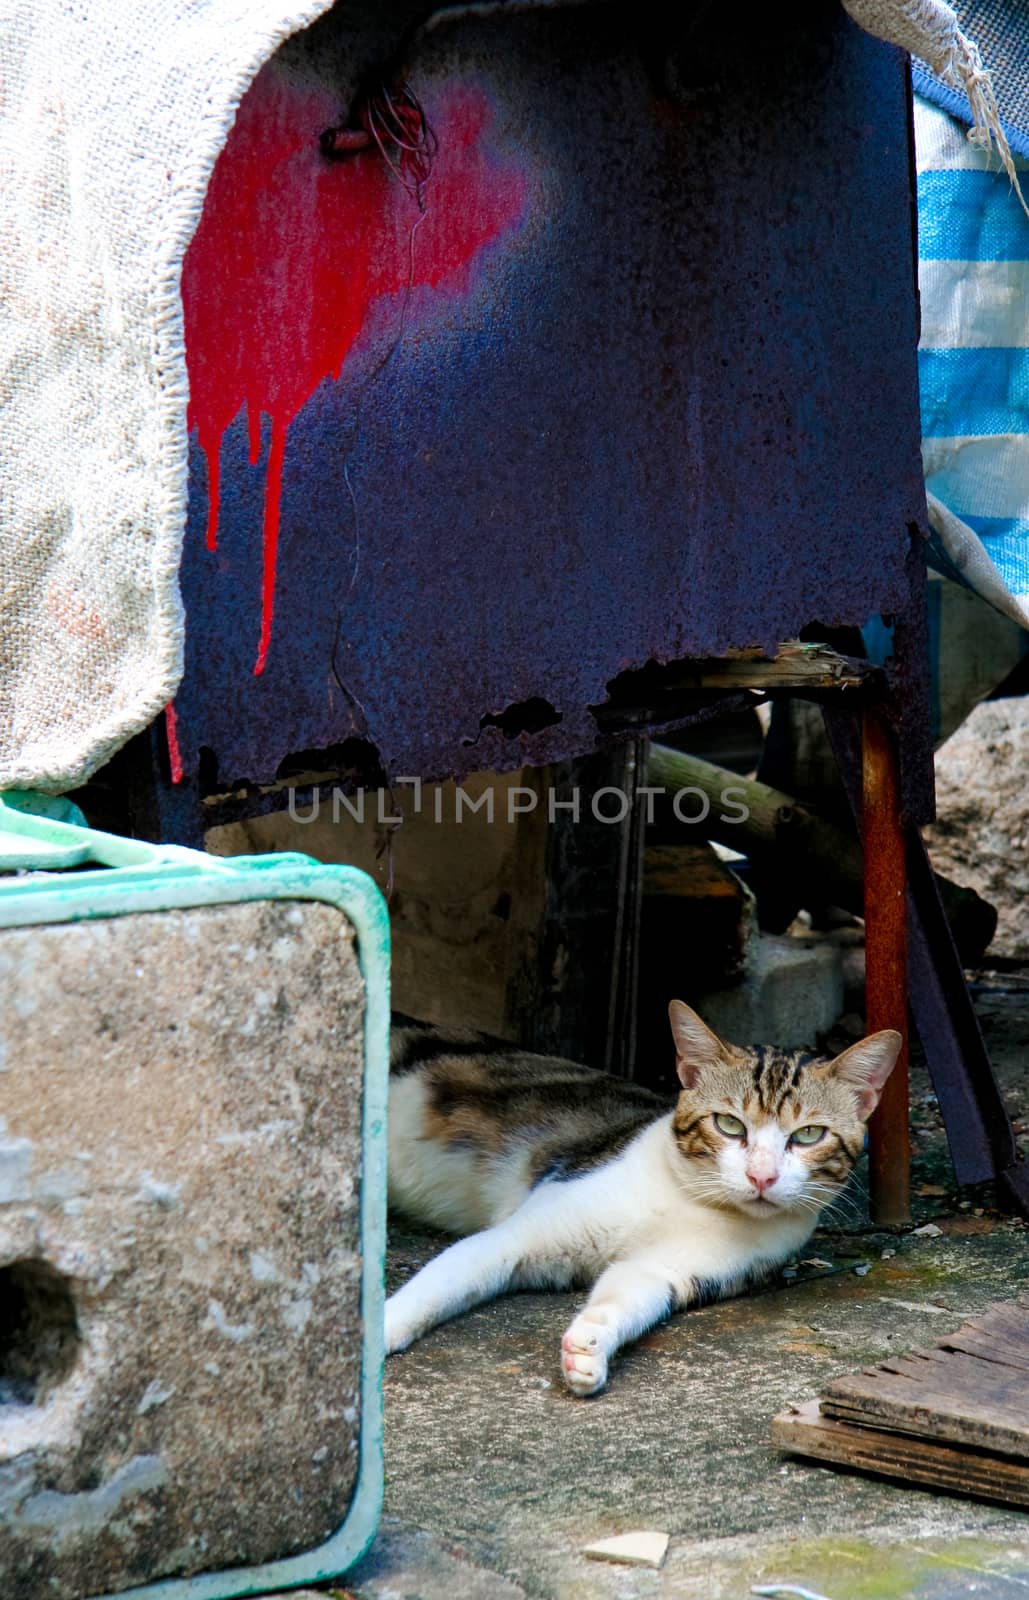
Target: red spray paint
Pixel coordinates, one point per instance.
(293, 251)
(171, 729)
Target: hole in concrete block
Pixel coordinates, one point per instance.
(39, 1331)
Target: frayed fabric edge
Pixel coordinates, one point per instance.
(929, 30)
(34, 765)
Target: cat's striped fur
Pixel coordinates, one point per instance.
(560, 1176)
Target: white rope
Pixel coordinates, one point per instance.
(929, 29)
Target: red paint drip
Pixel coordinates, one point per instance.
(171, 730)
(293, 252)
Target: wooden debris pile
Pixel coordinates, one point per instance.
(955, 1417)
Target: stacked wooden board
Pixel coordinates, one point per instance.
(955, 1417)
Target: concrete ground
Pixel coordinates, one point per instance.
(496, 1478)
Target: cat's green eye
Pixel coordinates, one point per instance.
(809, 1135)
(731, 1126)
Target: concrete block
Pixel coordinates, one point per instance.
(180, 1245)
(791, 991)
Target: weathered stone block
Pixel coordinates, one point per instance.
(791, 991)
(180, 1250)
(981, 836)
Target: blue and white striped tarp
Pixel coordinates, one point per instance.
(973, 247)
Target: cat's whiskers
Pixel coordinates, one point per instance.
(702, 1186)
(840, 1205)
(714, 1195)
(827, 1205)
(831, 1191)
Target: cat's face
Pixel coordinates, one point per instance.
(766, 1131)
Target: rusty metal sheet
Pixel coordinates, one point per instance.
(638, 384)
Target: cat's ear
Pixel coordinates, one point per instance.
(867, 1065)
(696, 1046)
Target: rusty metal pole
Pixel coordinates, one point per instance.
(889, 1142)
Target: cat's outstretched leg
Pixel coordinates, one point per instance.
(627, 1299)
(472, 1270)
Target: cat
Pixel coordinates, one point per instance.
(561, 1176)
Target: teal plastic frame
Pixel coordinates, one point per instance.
(132, 877)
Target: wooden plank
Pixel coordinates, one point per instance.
(952, 1369)
(949, 1396)
(955, 1372)
(795, 665)
(988, 1347)
(689, 872)
(940, 1405)
(983, 1429)
(1005, 1311)
(805, 1431)
(991, 1340)
(1000, 1335)
(651, 696)
(1010, 1322)
(989, 1337)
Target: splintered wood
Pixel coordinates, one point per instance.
(955, 1417)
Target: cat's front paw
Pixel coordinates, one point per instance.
(584, 1352)
(400, 1331)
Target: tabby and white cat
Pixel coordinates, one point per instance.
(562, 1176)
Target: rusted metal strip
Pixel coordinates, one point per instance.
(889, 1153)
(978, 1126)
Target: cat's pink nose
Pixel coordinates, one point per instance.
(761, 1183)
